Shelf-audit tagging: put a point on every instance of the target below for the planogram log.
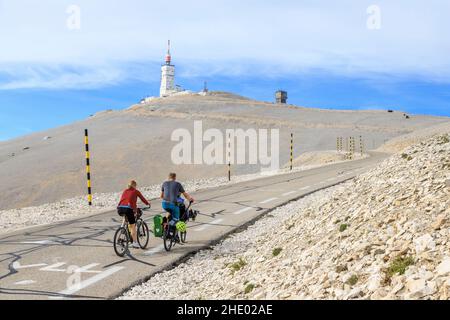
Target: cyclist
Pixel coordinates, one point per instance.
(170, 193)
(128, 207)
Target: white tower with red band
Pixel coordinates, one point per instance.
(168, 76)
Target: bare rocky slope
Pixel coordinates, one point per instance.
(383, 235)
(135, 143)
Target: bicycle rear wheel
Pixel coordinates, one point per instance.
(143, 234)
(167, 239)
(121, 241)
(183, 236)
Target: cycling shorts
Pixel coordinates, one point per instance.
(127, 212)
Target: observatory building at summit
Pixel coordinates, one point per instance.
(168, 86)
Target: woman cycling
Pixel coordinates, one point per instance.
(128, 207)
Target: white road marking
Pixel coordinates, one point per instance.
(16, 265)
(24, 282)
(243, 210)
(268, 200)
(288, 193)
(86, 269)
(88, 282)
(39, 242)
(154, 250)
(304, 188)
(331, 179)
(212, 223)
(54, 267)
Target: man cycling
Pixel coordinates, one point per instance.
(170, 193)
(128, 207)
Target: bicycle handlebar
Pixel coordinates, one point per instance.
(190, 204)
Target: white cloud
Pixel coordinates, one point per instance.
(20, 76)
(230, 37)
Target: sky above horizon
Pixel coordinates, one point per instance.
(64, 60)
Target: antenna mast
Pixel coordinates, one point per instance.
(168, 56)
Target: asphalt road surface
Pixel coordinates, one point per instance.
(75, 259)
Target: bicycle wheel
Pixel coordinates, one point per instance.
(183, 236)
(167, 240)
(143, 234)
(121, 241)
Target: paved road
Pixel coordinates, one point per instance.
(75, 259)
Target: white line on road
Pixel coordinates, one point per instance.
(39, 242)
(212, 223)
(288, 193)
(243, 210)
(16, 265)
(331, 179)
(86, 269)
(304, 188)
(88, 282)
(268, 200)
(24, 282)
(155, 250)
(54, 267)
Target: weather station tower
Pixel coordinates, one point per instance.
(167, 76)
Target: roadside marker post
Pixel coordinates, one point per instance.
(361, 145)
(229, 157)
(347, 148)
(338, 144)
(292, 150)
(88, 166)
(352, 147)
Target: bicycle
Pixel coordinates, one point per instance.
(171, 233)
(123, 238)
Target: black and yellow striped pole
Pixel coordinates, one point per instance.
(339, 144)
(352, 147)
(292, 150)
(347, 147)
(361, 145)
(88, 166)
(229, 157)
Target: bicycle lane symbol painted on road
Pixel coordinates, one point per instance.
(74, 282)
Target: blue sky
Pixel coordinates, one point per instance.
(324, 54)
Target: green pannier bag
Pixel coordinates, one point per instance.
(157, 226)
